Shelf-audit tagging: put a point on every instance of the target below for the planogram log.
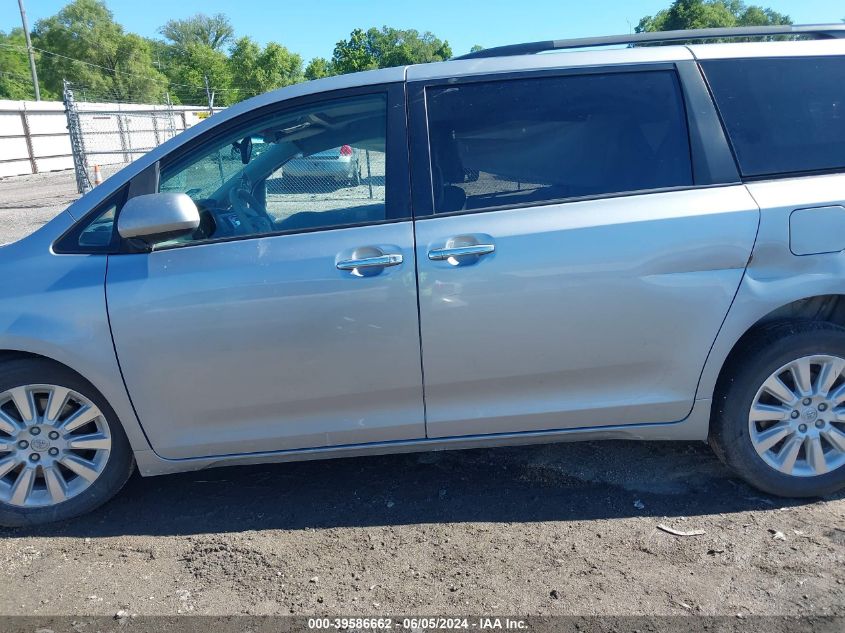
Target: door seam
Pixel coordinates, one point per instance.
(416, 253)
(117, 359)
(696, 395)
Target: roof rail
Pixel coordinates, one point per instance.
(817, 31)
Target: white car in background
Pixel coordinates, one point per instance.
(339, 164)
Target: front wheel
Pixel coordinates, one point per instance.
(62, 451)
(779, 414)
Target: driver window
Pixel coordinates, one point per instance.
(317, 167)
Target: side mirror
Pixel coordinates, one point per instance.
(157, 217)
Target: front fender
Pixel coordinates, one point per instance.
(54, 306)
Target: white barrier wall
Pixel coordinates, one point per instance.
(34, 136)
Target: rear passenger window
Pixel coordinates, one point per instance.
(530, 141)
(782, 115)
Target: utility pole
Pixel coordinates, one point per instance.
(30, 51)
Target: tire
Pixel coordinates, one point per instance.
(765, 352)
(115, 464)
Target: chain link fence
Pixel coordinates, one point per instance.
(347, 177)
(341, 177)
(105, 137)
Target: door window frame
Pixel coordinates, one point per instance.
(397, 169)
(397, 195)
(711, 158)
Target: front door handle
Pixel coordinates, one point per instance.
(382, 261)
(439, 254)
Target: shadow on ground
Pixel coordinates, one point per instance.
(562, 482)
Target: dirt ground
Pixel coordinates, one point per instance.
(27, 202)
(561, 529)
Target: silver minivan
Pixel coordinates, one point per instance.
(642, 243)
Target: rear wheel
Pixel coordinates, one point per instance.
(62, 451)
(779, 416)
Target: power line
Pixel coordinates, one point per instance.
(80, 61)
(111, 70)
(11, 74)
(124, 72)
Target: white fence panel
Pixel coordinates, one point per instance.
(34, 136)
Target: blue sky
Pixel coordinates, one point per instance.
(312, 27)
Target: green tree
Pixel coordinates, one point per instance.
(187, 68)
(213, 31)
(398, 47)
(255, 71)
(701, 14)
(386, 47)
(93, 52)
(318, 68)
(475, 48)
(15, 80)
(354, 54)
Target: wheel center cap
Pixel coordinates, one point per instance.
(810, 415)
(39, 444)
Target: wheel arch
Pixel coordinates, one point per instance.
(8, 355)
(127, 419)
(823, 307)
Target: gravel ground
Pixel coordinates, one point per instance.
(562, 529)
(27, 202)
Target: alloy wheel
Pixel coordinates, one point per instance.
(797, 417)
(54, 443)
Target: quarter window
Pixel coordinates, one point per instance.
(782, 115)
(96, 232)
(532, 141)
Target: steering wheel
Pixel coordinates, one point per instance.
(252, 214)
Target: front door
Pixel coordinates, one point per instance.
(570, 273)
(289, 320)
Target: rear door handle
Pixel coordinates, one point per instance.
(382, 261)
(439, 254)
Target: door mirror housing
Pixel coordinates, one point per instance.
(157, 217)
